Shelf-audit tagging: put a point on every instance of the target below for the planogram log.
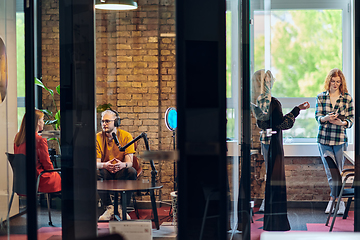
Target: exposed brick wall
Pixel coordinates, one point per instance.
(50, 52)
(50, 58)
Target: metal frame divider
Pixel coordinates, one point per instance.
(357, 115)
(30, 120)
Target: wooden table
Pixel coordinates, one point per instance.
(125, 186)
(350, 155)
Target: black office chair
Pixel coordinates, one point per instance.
(18, 165)
(339, 189)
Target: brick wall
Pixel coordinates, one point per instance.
(305, 179)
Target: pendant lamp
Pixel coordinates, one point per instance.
(115, 4)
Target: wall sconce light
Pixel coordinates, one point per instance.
(115, 4)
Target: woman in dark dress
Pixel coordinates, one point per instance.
(275, 215)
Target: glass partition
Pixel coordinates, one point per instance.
(294, 46)
(232, 111)
(135, 68)
(135, 76)
(11, 44)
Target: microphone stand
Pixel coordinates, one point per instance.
(175, 163)
(144, 136)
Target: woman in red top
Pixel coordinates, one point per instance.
(49, 182)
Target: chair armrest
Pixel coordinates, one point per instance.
(348, 175)
(347, 170)
(50, 170)
(45, 171)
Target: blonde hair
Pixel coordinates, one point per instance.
(336, 73)
(109, 111)
(21, 135)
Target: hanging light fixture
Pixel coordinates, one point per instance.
(115, 4)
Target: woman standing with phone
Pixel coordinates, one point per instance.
(334, 114)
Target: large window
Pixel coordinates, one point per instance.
(306, 40)
(20, 59)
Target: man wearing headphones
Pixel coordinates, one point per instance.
(111, 163)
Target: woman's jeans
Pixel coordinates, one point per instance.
(265, 152)
(336, 152)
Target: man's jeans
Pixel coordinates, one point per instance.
(123, 174)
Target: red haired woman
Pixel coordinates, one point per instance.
(49, 182)
(334, 114)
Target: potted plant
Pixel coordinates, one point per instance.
(53, 118)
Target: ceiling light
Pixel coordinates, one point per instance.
(115, 4)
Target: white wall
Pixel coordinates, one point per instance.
(8, 108)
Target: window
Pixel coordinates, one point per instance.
(307, 40)
(20, 59)
(232, 69)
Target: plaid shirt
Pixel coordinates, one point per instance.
(331, 134)
(263, 101)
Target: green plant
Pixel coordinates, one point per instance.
(53, 119)
(103, 107)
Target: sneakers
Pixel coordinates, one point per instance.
(262, 206)
(341, 208)
(327, 210)
(120, 213)
(108, 214)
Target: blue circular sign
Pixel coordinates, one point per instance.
(171, 118)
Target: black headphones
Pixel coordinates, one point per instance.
(117, 120)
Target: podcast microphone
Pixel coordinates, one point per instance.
(115, 139)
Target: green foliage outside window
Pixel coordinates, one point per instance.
(305, 46)
(20, 61)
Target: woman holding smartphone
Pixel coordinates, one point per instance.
(334, 114)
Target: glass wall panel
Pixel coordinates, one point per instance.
(135, 76)
(295, 46)
(10, 23)
(232, 112)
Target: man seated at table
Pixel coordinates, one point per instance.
(111, 163)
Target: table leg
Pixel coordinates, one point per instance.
(123, 205)
(116, 204)
(154, 209)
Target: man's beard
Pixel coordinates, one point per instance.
(109, 130)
